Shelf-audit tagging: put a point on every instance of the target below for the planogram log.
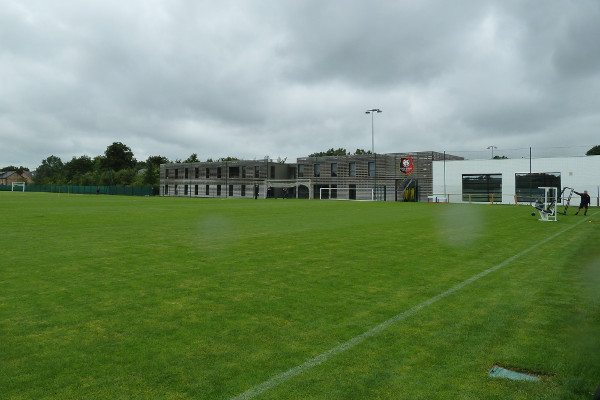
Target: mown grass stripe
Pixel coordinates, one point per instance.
(295, 371)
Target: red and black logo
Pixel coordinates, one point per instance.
(406, 165)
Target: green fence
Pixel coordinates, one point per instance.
(115, 190)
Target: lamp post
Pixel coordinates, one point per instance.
(372, 112)
(492, 147)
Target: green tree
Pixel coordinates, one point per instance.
(192, 158)
(228, 158)
(331, 152)
(125, 177)
(361, 151)
(78, 167)
(594, 151)
(157, 160)
(19, 170)
(89, 179)
(118, 157)
(151, 176)
(51, 172)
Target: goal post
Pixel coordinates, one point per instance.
(350, 193)
(18, 185)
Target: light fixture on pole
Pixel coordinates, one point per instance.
(372, 112)
(492, 147)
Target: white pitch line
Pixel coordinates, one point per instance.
(321, 358)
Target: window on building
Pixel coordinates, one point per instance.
(218, 190)
(195, 190)
(230, 190)
(207, 192)
(352, 169)
(300, 171)
(166, 190)
(207, 173)
(317, 170)
(176, 189)
(185, 173)
(334, 169)
(234, 172)
(371, 169)
(243, 171)
(218, 172)
(166, 173)
(526, 185)
(176, 173)
(243, 190)
(272, 172)
(196, 173)
(482, 187)
(185, 189)
(257, 171)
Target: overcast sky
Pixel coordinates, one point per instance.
(288, 78)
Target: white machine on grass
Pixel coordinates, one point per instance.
(547, 208)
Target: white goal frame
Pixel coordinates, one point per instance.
(364, 194)
(22, 184)
(547, 209)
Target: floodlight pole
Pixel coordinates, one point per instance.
(492, 147)
(372, 112)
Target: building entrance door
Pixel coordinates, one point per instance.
(407, 190)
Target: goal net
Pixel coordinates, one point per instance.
(18, 185)
(364, 194)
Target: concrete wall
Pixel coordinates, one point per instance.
(580, 173)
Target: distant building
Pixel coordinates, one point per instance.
(386, 177)
(8, 177)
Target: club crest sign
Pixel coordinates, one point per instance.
(406, 165)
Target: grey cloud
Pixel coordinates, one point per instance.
(251, 79)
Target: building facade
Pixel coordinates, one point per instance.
(510, 181)
(384, 177)
(9, 177)
(237, 179)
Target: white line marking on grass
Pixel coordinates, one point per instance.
(321, 358)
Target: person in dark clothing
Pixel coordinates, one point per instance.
(585, 202)
(256, 191)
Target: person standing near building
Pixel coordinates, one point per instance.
(585, 202)
(256, 191)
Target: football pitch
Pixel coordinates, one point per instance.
(110, 297)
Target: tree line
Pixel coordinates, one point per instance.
(338, 152)
(116, 167)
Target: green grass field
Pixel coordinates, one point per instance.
(108, 297)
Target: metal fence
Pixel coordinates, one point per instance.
(112, 190)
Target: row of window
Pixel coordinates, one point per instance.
(234, 172)
(334, 170)
(186, 192)
(488, 187)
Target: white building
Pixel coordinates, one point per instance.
(507, 181)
